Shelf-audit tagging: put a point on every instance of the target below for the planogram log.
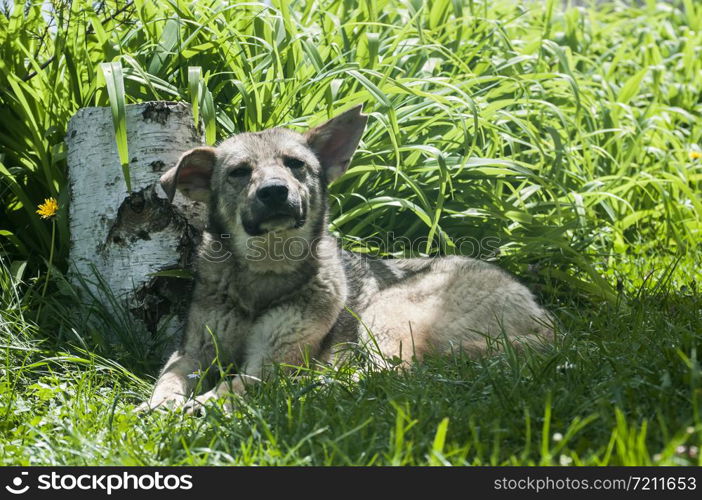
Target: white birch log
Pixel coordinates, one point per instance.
(127, 237)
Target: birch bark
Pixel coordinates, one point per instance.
(127, 237)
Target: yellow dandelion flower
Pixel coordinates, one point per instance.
(695, 155)
(48, 208)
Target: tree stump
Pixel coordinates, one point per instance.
(126, 238)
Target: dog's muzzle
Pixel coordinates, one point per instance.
(274, 208)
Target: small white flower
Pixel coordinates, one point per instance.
(565, 460)
(692, 451)
(565, 366)
(557, 436)
(680, 450)
(690, 430)
(195, 374)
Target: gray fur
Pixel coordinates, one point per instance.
(259, 306)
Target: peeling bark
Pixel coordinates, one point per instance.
(127, 237)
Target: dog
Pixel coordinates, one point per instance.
(287, 293)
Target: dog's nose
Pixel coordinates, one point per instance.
(273, 193)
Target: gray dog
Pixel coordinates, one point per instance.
(288, 293)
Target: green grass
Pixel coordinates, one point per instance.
(560, 137)
(621, 386)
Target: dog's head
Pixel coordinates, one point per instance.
(269, 181)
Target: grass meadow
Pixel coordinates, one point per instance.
(565, 140)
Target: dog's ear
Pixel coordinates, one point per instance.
(335, 141)
(191, 175)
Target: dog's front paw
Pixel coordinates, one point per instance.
(142, 408)
(170, 402)
(198, 405)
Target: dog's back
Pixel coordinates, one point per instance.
(404, 309)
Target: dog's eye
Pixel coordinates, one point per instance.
(240, 171)
(293, 163)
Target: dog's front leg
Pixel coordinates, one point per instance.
(175, 384)
(275, 338)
